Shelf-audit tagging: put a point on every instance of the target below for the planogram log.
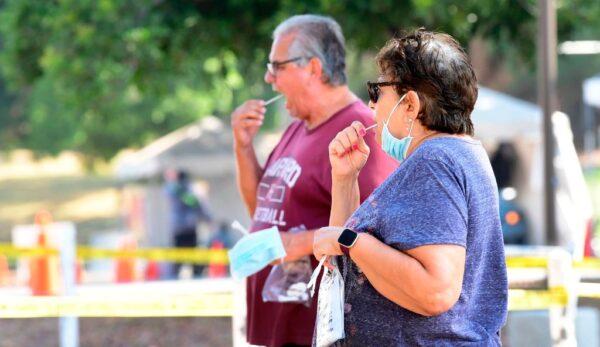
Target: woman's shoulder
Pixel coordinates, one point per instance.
(450, 149)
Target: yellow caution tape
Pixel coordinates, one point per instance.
(205, 305)
(524, 300)
(183, 255)
(205, 256)
(588, 290)
(588, 264)
(526, 262)
(542, 262)
(14, 252)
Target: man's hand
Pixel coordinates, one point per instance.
(246, 120)
(297, 245)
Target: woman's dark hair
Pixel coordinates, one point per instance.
(435, 66)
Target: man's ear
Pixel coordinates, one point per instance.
(316, 67)
(413, 104)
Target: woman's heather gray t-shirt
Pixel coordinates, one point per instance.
(444, 193)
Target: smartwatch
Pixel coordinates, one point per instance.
(346, 240)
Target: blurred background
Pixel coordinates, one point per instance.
(100, 99)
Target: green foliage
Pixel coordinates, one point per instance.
(100, 75)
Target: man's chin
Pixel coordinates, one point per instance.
(291, 110)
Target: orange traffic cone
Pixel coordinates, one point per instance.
(4, 271)
(216, 269)
(79, 271)
(125, 266)
(152, 271)
(43, 269)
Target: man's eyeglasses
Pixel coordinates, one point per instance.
(273, 66)
(374, 89)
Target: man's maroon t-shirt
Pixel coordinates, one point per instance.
(295, 193)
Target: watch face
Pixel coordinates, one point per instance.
(347, 237)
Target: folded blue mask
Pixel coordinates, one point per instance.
(255, 251)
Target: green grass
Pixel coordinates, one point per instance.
(91, 202)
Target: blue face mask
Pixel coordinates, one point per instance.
(254, 252)
(395, 147)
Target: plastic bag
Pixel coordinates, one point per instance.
(329, 326)
(287, 282)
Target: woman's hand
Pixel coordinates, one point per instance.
(325, 243)
(348, 151)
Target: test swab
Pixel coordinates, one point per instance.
(273, 99)
(371, 127)
(365, 132)
(239, 227)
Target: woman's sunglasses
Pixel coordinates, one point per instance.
(374, 88)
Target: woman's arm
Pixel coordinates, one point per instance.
(345, 199)
(348, 154)
(426, 280)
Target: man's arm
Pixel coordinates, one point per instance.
(248, 175)
(426, 280)
(297, 244)
(246, 120)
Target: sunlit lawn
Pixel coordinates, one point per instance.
(92, 202)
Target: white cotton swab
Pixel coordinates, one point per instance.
(371, 127)
(239, 227)
(273, 99)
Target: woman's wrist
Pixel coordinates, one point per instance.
(342, 180)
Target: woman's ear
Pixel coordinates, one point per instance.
(413, 104)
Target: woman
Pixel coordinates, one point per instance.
(422, 257)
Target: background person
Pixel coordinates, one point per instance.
(186, 211)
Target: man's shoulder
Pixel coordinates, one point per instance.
(357, 111)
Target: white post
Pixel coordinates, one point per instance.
(562, 319)
(68, 326)
(238, 319)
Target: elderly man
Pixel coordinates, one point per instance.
(293, 190)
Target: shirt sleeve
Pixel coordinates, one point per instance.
(428, 207)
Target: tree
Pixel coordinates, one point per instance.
(100, 75)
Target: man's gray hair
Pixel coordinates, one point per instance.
(320, 37)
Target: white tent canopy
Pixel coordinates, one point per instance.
(499, 116)
(202, 148)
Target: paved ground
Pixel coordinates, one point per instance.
(117, 332)
(130, 332)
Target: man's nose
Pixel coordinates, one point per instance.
(269, 78)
